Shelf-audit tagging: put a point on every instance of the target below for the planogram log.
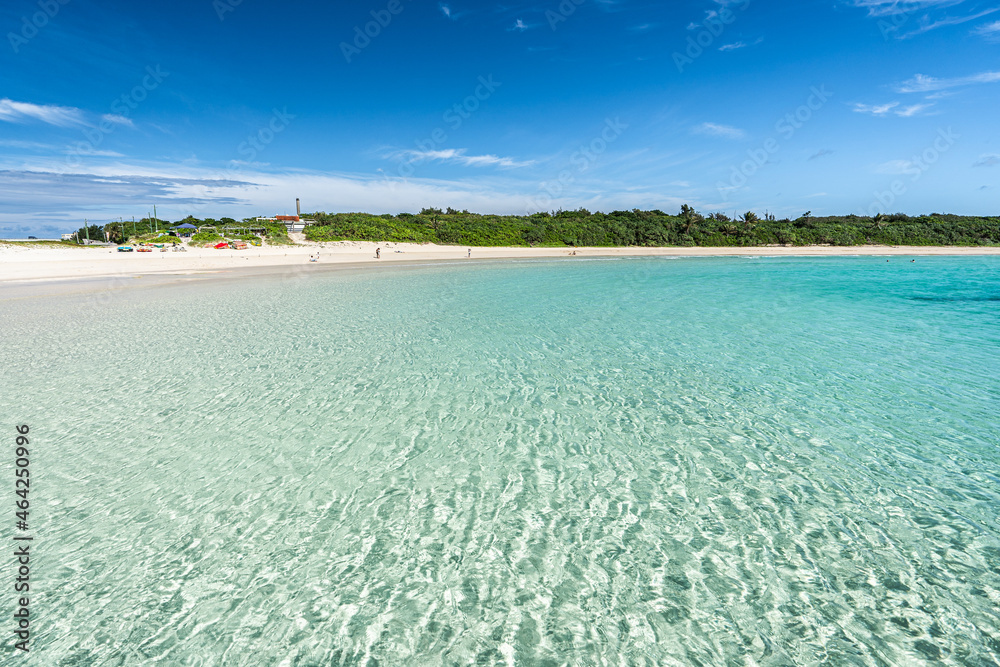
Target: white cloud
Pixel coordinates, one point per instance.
(891, 107)
(988, 160)
(93, 152)
(740, 45)
(47, 192)
(457, 155)
(912, 110)
(926, 84)
(895, 7)
(20, 112)
(988, 30)
(31, 145)
(896, 167)
(716, 130)
(928, 25)
(519, 25)
(118, 120)
(875, 109)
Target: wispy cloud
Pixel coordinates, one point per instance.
(23, 112)
(988, 30)
(988, 160)
(458, 155)
(716, 130)
(822, 153)
(445, 9)
(927, 84)
(519, 26)
(894, 167)
(912, 110)
(31, 145)
(895, 7)
(875, 109)
(118, 119)
(892, 108)
(740, 45)
(927, 25)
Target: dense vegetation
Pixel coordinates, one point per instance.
(653, 228)
(583, 228)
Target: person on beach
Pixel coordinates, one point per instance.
(378, 253)
(470, 253)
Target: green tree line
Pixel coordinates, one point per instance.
(583, 228)
(653, 228)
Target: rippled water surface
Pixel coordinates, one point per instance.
(621, 462)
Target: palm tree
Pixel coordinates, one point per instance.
(749, 219)
(690, 217)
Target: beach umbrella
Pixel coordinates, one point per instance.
(186, 225)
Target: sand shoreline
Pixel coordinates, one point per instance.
(26, 265)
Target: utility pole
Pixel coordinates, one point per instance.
(155, 229)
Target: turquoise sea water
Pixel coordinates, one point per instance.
(771, 461)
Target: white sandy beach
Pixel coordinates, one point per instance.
(32, 263)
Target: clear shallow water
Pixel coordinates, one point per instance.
(623, 462)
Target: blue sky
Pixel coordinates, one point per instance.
(236, 107)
